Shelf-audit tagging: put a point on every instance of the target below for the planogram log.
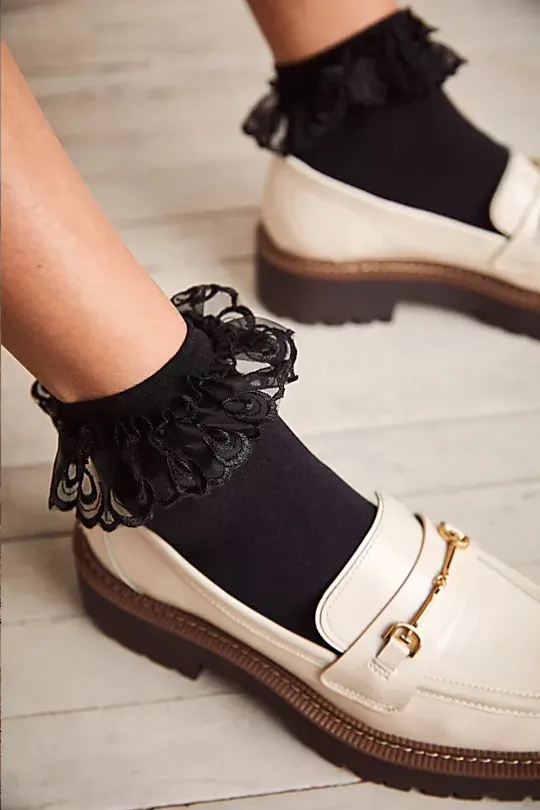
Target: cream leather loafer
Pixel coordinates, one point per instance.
(333, 253)
(435, 679)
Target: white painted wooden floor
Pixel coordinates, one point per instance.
(444, 412)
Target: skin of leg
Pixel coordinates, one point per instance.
(298, 29)
(77, 309)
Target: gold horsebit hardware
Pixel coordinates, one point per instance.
(407, 632)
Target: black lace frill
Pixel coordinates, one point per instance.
(393, 62)
(186, 445)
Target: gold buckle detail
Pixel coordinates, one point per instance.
(407, 632)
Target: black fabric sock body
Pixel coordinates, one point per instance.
(370, 112)
(422, 153)
(275, 534)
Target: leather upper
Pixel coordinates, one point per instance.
(515, 211)
(475, 681)
(314, 216)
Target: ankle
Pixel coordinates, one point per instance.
(393, 62)
(300, 30)
(132, 360)
(272, 526)
(371, 113)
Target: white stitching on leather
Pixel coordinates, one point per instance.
(325, 711)
(425, 530)
(352, 573)
(518, 291)
(350, 693)
(379, 669)
(428, 270)
(494, 689)
(355, 729)
(448, 699)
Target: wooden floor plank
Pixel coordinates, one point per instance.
(149, 751)
(42, 616)
(403, 460)
(148, 99)
(373, 376)
(347, 797)
(85, 670)
(158, 754)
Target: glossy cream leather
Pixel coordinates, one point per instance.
(313, 216)
(476, 681)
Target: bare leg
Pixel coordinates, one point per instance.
(78, 311)
(297, 29)
(358, 96)
(86, 319)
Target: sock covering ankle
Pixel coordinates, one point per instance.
(277, 534)
(274, 530)
(370, 112)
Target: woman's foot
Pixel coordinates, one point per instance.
(382, 191)
(208, 536)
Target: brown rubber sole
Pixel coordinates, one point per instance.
(183, 642)
(312, 291)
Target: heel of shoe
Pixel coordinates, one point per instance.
(139, 635)
(317, 297)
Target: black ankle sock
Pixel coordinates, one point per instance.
(279, 532)
(370, 112)
(278, 529)
(424, 154)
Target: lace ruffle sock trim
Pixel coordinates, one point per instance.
(179, 433)
(392, 62)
